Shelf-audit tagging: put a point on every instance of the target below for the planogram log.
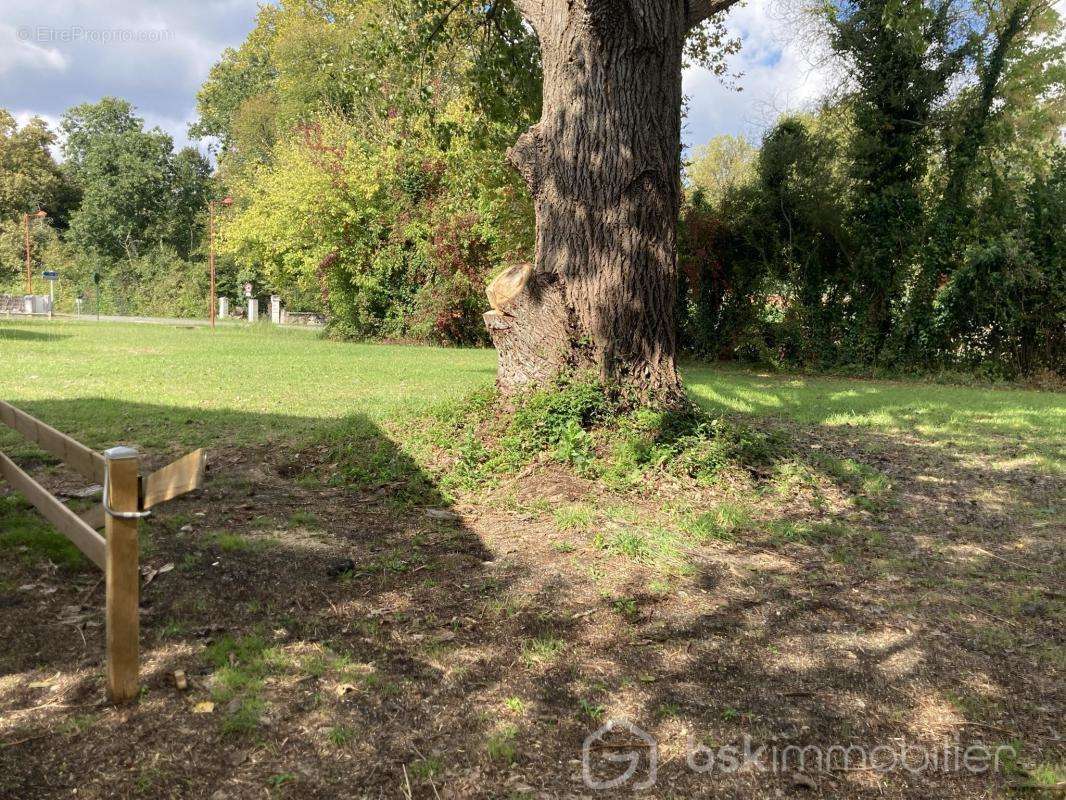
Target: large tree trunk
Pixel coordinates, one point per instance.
(603, 165)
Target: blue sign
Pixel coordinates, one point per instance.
(51, 275)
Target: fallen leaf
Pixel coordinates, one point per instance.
(203, 707)
(46, 683)
(440, 513)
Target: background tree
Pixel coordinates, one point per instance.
(901, 56)
(1015, 97)
(1006, 302)
(722, 164)
(135, 192)
(30, 179)
(774, 282)
(366, 59)
(776, 269)
(366, 160)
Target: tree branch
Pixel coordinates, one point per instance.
(531, 10)
(442, 22)
(525, 156)
(701, 10)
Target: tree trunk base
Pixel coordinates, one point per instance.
(530, 327)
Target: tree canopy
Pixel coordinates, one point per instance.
(136, 191)
(909, 220)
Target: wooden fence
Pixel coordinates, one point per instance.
(127, 497)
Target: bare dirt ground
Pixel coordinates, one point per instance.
(338, 644)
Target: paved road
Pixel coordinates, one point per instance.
(145, 320)
(176, 321)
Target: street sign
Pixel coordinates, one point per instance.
(51, 275)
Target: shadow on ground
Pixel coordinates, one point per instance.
(1011, 423)
(27, 335)
(359, 637)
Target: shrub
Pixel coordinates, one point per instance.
(579, 423)
(399, 225)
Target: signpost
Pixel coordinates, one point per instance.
(51, 276)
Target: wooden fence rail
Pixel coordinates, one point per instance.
(92, 544)
(127, 496)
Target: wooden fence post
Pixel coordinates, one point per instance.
(123, 589)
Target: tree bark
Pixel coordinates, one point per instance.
(603, 166)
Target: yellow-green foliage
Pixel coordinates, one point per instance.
(364, 145)
(396, 228)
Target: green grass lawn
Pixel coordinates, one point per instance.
(1005, 423)
(157, 384)
(880, 550)
(163, 385)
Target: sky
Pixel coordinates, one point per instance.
(58, 53)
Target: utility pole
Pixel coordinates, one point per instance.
(29, 247)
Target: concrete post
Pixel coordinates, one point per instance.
(275, 309)
(223, 307)
(253, 310)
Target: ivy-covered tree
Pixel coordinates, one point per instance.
(901, 56)
(1004, 308)
(1015, 102)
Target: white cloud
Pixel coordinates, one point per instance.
(781, 70)
(23, 116)
(18, 49)
(55, 54)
